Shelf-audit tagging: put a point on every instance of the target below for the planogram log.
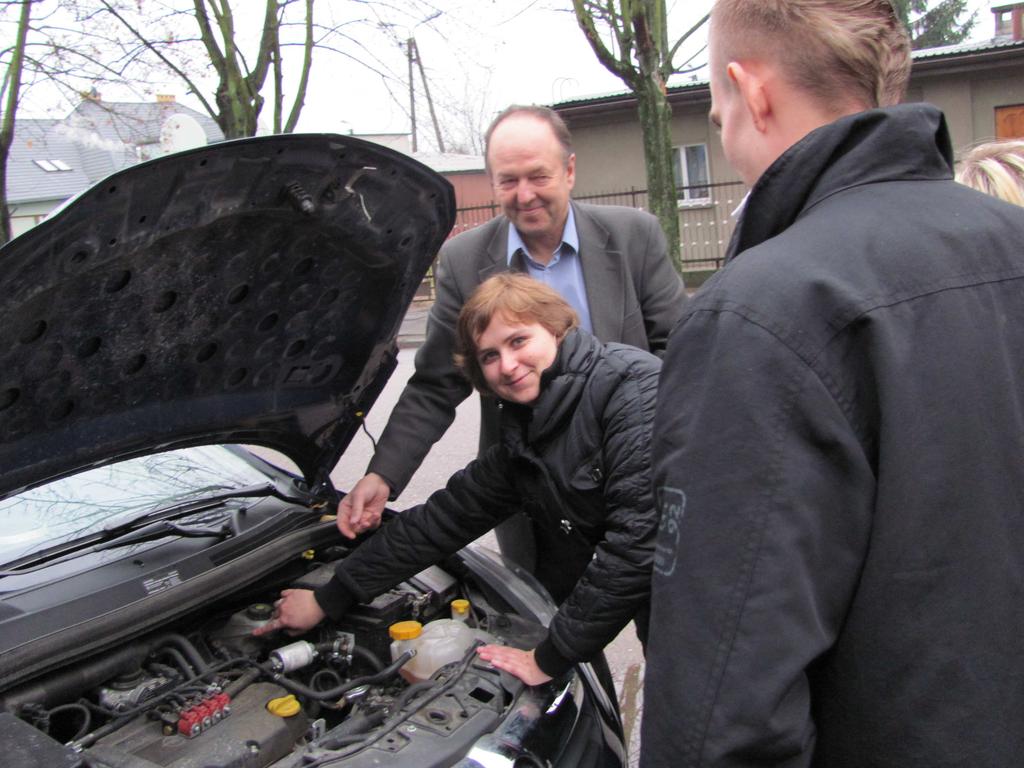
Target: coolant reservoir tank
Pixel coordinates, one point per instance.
(437, 643)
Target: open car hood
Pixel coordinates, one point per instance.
(244, 292)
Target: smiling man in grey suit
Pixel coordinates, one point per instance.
(609, 262)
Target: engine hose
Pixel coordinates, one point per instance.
(369, 657)
(179, 659)
(86, 717)
(351, 730)
(246, 679)
(75, 681)
(335, 678)
(123, 718)
(340, 690)
(366, 655)
(185, 646)
(396, 718)
(410, 693)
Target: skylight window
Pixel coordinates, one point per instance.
(52, 166)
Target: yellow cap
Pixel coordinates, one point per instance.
(460, 606)
(405, 630)
(285, 706)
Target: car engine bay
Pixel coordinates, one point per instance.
(204, 692)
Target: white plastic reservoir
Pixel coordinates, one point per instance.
(437, 643)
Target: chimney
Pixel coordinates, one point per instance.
(1009, 21)
(165, 98)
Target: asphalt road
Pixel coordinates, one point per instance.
(452, 452)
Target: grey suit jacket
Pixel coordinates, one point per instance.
(634, 293)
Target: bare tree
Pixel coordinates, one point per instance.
(469, 114)
(190, 42)
(631, 40)
(232, 68)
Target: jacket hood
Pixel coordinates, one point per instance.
(244, 292)
(905, 142)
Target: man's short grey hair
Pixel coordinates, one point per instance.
(544, 114)
(837, 51)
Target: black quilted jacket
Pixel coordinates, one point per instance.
(578, 461)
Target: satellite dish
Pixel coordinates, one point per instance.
(181, 132)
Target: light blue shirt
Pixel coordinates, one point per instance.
(563, 273)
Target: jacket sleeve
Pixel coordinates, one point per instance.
(475, 500)
(616, 583)
(765, 498)
(659, 287)
(426, 407)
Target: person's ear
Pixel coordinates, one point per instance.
(752, 91)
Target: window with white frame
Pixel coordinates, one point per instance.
(690, 165)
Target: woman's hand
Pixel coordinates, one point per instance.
(296, 611)
(514, 661)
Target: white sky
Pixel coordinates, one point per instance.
(479, 55)
(492, 53)
(483, 55)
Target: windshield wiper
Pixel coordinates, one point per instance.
(163, 528)
(193, 504)
(148, 525)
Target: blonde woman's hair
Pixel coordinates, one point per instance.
(839, 52)
(995, 168)
(517, 298)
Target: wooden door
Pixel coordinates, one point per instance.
(1010, 122)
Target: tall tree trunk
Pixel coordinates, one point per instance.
(13, 85)
(642, 57)
(655, 115)
(236, 116)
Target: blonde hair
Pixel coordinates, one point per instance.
(516, 297)
(837, 51)
(995, 168)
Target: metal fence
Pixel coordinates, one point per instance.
(705, 221)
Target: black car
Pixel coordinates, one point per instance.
(242, 294)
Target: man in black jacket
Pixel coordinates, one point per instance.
(839, 574)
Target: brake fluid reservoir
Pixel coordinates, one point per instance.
(438, 643)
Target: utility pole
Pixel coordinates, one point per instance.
(414, 56)
(410, 47)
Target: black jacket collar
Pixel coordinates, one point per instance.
(906, 142)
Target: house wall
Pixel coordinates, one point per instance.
(705, 228)
(1006, 90)
(24, 216)
(969, 101)
(474, 200)
(609, 150)
(610, 159)
(609, 155)
(470, 188)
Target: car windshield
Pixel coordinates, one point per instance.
(76, 506)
